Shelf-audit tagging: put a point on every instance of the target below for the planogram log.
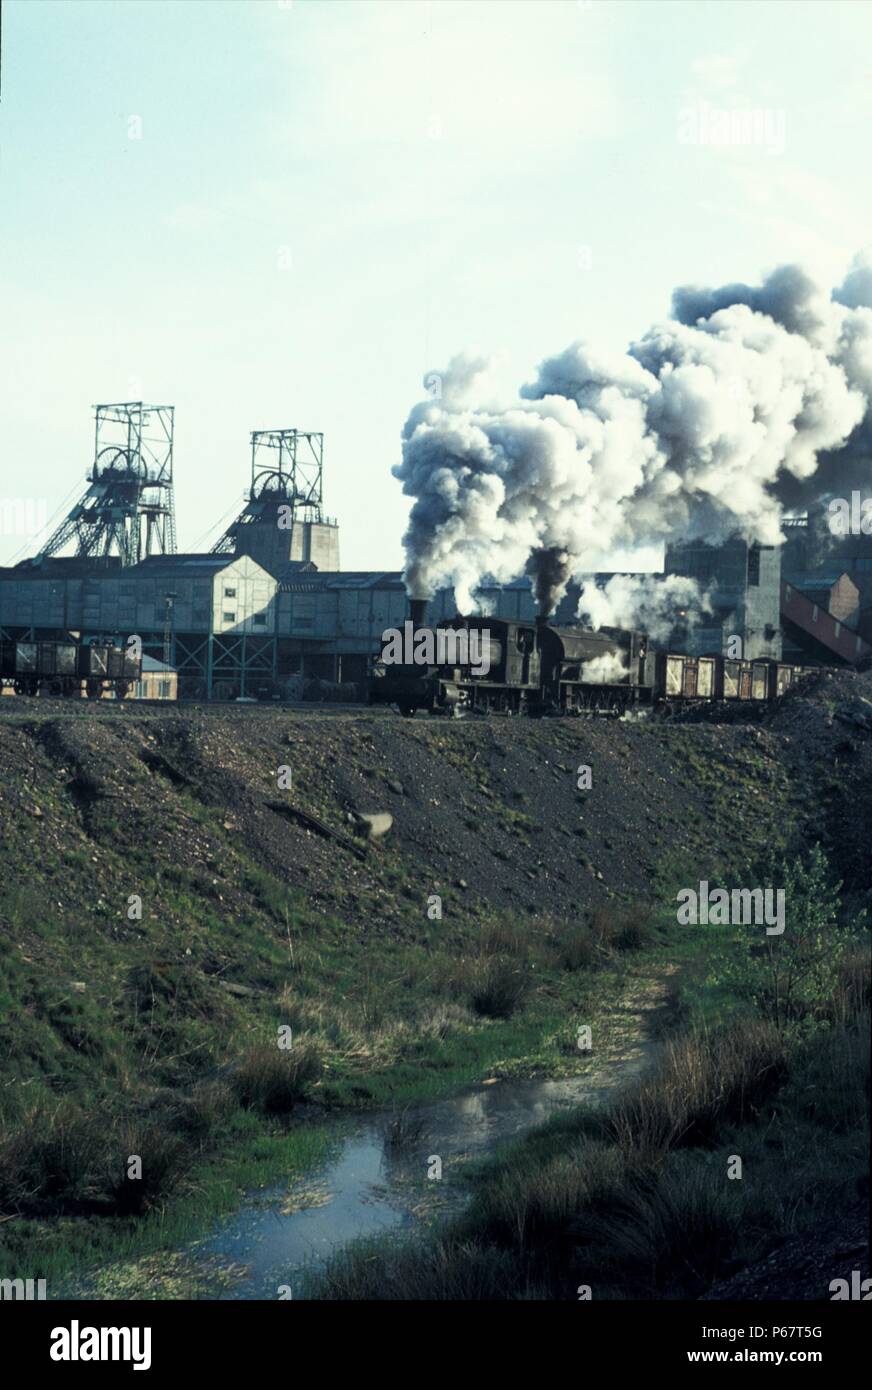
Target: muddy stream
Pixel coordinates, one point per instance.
(369, 1184)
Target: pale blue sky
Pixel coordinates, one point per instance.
(494, 175)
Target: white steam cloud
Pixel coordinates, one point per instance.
(608, 669)
(748, 400)
(646, 603)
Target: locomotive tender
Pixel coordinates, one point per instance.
(532, 668)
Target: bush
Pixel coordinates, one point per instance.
(273, 1080)
(622, 928)
(703, 1081)
(503, 939)
(498, 987)
(670, 1232)
(63, 1152)
(164, 1160)
(205, 1111)
(15, 1149)
(851, 989)
(632, 928)
(530, 1199)
(804, 972)
(444, 1270)
(575, 947)
(832, 1085)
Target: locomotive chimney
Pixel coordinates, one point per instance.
(417, 611)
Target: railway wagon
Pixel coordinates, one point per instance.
(67, 668)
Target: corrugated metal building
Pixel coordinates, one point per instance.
(745, 585)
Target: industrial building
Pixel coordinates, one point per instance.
(744, 583)
(270, 604)
(157, 682)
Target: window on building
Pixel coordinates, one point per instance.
(140, 690)
(230, 593)
(164, 689)
(754, 567)
(260, 620)
(228, 617)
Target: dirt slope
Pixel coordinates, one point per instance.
(488, 814)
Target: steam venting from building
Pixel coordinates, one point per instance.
(748, 403)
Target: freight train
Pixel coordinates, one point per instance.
(67, 668)
(532, 668)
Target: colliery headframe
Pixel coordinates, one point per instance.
(269, 606)
(128, 509)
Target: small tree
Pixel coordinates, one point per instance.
(794, 975)
(801, 964)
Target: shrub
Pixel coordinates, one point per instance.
(851, 989)
(832, 1084)
(801, 973)
(273, 1080)
(64, 1152)
(15, 1148)
(575, 947)
(446, 1270)
(669, 1232)
(164, 1160)
(702, 1081)
(622, 928)
(498, 987)
(503, 939)
(632, 929)
(206, 1110)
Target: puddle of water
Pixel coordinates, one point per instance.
(367, 1186)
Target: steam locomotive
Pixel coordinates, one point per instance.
(67, 668)
(494, 664)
